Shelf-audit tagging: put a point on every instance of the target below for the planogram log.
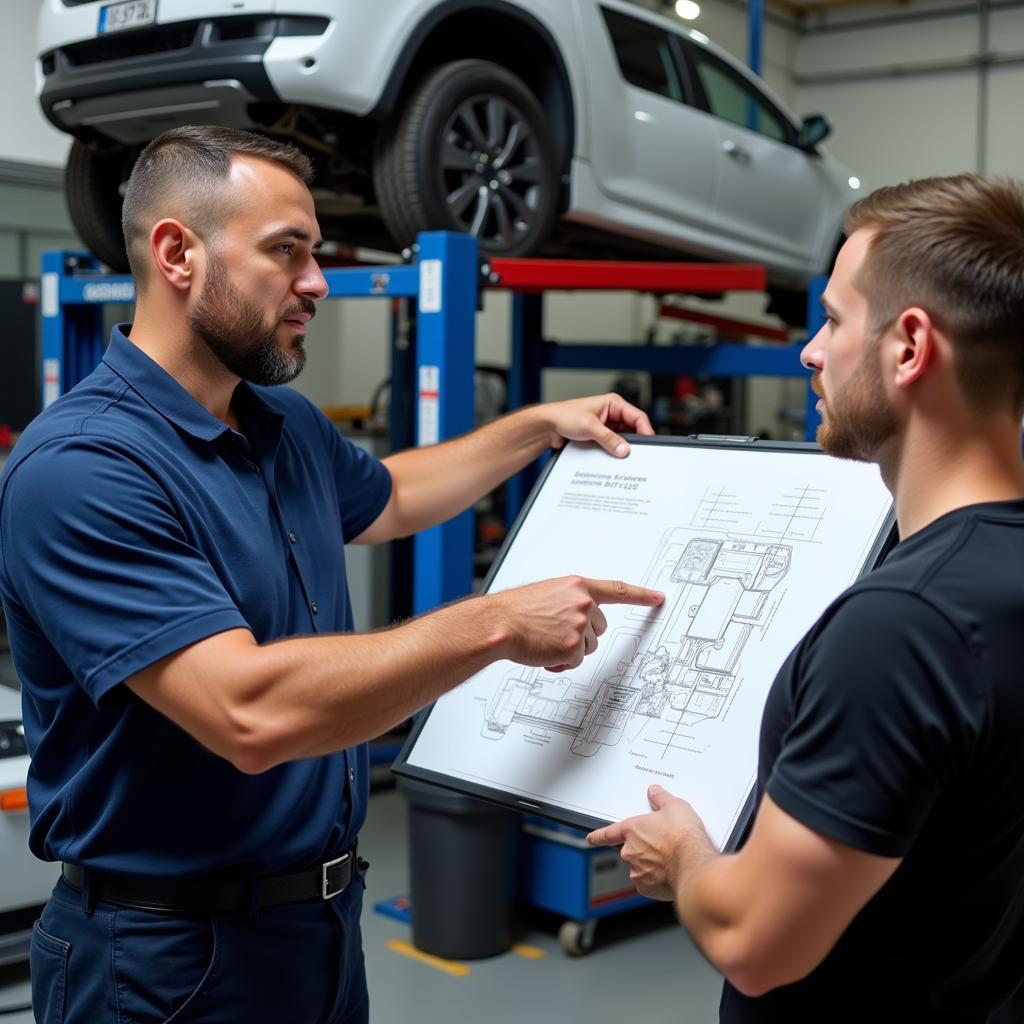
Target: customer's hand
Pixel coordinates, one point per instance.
(660, 845)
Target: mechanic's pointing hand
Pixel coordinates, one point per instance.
(556, 623)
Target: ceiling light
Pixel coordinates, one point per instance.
(687, 9)
(855, 183)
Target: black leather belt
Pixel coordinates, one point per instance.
(214, 894)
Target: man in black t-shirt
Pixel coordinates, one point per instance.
(883, 875)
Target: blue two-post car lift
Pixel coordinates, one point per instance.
(434, 365)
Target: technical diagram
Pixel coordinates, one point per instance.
(749, 545)
(677, 666)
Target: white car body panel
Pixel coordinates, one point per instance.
(770, 197)
(366, 40)
(644, 144)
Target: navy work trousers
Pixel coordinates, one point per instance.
(300, 963)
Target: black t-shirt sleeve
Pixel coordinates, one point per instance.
(886, 710)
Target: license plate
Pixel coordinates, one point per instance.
(129, 14)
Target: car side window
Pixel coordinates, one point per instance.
(733, 99)
(645, 56)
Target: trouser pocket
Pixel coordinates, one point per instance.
(163, 966)
(48, 963)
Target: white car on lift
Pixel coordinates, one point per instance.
(583, 127)
(25, 882)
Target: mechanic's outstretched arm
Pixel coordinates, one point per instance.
(765, 916)
(433, 484)
(259, 706)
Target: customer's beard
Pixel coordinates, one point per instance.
(858, 421)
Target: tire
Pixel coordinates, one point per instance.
(471, 152)
(92, 185)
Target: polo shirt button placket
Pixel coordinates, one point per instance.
(292, 536)
(314, 607)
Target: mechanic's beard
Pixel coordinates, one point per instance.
(857, 421)
(236, 333)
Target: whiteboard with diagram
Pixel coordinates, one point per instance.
(749, 541)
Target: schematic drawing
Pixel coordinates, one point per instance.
(678, 664)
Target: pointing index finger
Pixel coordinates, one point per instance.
(617, 592)
(610, 835)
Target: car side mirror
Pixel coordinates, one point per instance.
(814, 129)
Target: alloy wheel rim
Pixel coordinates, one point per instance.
(492, 171)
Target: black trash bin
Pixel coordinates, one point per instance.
(462, 872)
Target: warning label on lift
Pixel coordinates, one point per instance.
(429, 428)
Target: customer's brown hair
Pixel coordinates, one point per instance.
(955, 247)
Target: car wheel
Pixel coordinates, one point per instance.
(471, 152)
(92, 185)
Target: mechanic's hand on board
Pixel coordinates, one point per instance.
(598, 419)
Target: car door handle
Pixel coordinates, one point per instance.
(736, 151)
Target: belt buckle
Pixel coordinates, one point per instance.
(325, 888)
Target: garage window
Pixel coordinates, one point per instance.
(645, 56)
(732, 98)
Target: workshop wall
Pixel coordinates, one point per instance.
(32, 219)
(25, 135)
(923, 88)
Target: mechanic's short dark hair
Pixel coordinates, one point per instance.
(954, 247)
(192, 162)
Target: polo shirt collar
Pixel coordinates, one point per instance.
(168, 397)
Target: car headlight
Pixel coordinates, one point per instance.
(12, 740)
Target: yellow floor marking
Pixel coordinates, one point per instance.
(530, 952)
(409, 950)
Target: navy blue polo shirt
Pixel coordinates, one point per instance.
(134, 523)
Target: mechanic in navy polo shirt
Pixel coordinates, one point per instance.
(172, 567)
(882, 878)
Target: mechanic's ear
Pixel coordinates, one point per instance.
(173, 251)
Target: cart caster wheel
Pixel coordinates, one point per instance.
(577, 937)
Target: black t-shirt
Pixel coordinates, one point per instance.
(897, 726)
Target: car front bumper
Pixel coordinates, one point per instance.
(130, 87)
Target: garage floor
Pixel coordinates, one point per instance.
(643, 968)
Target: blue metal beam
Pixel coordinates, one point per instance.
(723, 360)
(72, 319)
(755, 34)
(351, 282)
(445, 343)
